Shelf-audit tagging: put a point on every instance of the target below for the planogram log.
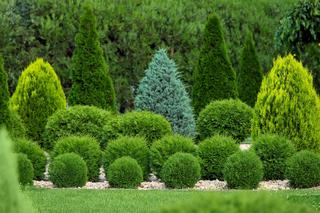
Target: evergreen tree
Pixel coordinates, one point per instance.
(4, 95)
(250, 74)
(91, 81)
(161, 91)
(214, 77)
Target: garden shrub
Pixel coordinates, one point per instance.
(161, 91)
(34, 153)
(76, 120)
(125, 172)
(303, 169)
(68, 170)
(273, 151)
(288, 105)
(181, 170)
(214, 77)
(25, 170)
(38, 95)
(86, 147)
(134, 147)
(213, 154)
(91, 81)
(163, 148)
(225, 117)
(243, 170)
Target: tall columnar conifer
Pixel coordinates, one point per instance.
(214, 77)
(91, 81)
(250, 74)
(4, 95)
(161, 91)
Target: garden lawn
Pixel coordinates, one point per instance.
(83, 200)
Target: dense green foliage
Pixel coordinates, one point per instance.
(125, 172)
(34, 153)
(161, 91)
(250, 73)
(25, 170)
(76, 120)
(213, 153)
(91, 81)
(288, 105)
(225, 117)
(37, 96)
(86, 147)
(134, 147)
(273, 151)
(181, 170)
(214, 77)
(303, 169)
(163, 148)
(68, 170)
(243, 170)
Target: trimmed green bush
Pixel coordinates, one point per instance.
(125, 172)
(243, 170)
(25, 170)
(86, 147)
(273, 151)
(214, 77)
(134, 147)
(225, 117)
(303, 169)
(68, 170)
(181, 170)
(162, 149)
(76, 120)
(214, 153)
(250, 75)
(35, 154)
(91, 81)
(15, 125)
(38, 95)
(288, 105)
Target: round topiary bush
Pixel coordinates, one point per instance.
(213, 153)
(181, 170)
(134, 147)
(273, 151)
(125, 172)
(34, 153)
(76, 120)
(303, 169)
(68, 170)
(15, 126)
(162, 149)
(243, 170)
(225, 117)
(86, 147)
(25, 170)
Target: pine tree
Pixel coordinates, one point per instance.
(4, 95)
(250, 74)
(91, 81)
(161, 91)
(214, 77)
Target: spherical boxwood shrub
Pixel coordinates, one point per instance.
(181, 170)
(25, 170)
(34, 153)
(135, 147)
(15, 125)
(68, 170)
(125, 172)
(243, 170)
(213, 153)
(76, 120)
(225, 117)
(86, 147)
(273, 151)
(162, 149)
(303, 169)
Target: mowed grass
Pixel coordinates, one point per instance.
(86, 201)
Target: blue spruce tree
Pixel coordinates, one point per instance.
(161, 91)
